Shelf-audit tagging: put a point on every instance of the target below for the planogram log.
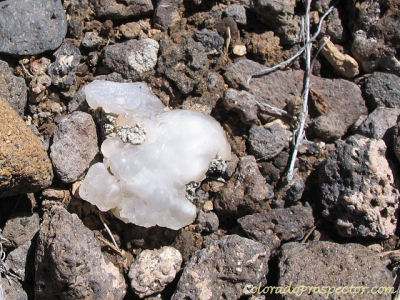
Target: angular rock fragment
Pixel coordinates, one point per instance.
(207, 221)
(340, 99)
(374, 27)
(382, 89)
(20, 230)
(380, 124)
(343, 64)
(327, 264)
(268, 141)
(358, 190)
(237, 12)
(153, 270)
(24, 164)
(74, 145)
(132, 58)
(279, 15)
(12, 89)
(17, 261)
(242, 102)
(245, 192)
(114, 9)
(223, 268)
(69, 263)
(210, 40)
(265, 47)
(62, 71)
(130, 30)
(13, 290)
(185, 64)
(396, 140)
(91, 40)
(278, 225)
(166, 13)
(77, 10)
(31, 27)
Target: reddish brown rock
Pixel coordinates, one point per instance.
(322, 264)
(245, 192)
(69, 263)
(24, 164)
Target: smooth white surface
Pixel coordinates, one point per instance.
(146, 184)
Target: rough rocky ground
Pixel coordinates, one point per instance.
(334, 224)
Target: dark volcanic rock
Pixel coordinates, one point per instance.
(327, 264)
(274, 10)
(237, 74)
(375, 28)
(222, 270)
(242, 102)
(396, 140)
(245, 192)
(31, 27)
(380, 123)
(17, 261)
(237, 12)
(114, 9)
(74, 145)
(341, 104)
(20, 230)
(166, 13)
(382, 89)
(210, 40)
(207, 221)
(91, 40)
(337, 103)
(293, 191)
(132, 58)
(12, 88)
(279, 15)
(77, 10)
(268, 141)
(334, 27)
(78, 102)
(69, 263)
(358, 190)
(278, 225)
(62, 70)
(185, 64)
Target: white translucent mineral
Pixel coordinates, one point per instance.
(145, 184)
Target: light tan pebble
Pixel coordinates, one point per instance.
(344, 64)
(208, 206)
(239, 50)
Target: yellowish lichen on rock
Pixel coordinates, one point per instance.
(24, 164)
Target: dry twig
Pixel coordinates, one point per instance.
(25, 69)
(109, 233)
(304, 111)
(297, 54)
(309, 233)
(276, 110)
(110, 245)
(319, 51)
(4, 270)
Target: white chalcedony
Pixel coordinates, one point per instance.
(145, 184)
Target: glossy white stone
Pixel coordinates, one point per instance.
(145, 184)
